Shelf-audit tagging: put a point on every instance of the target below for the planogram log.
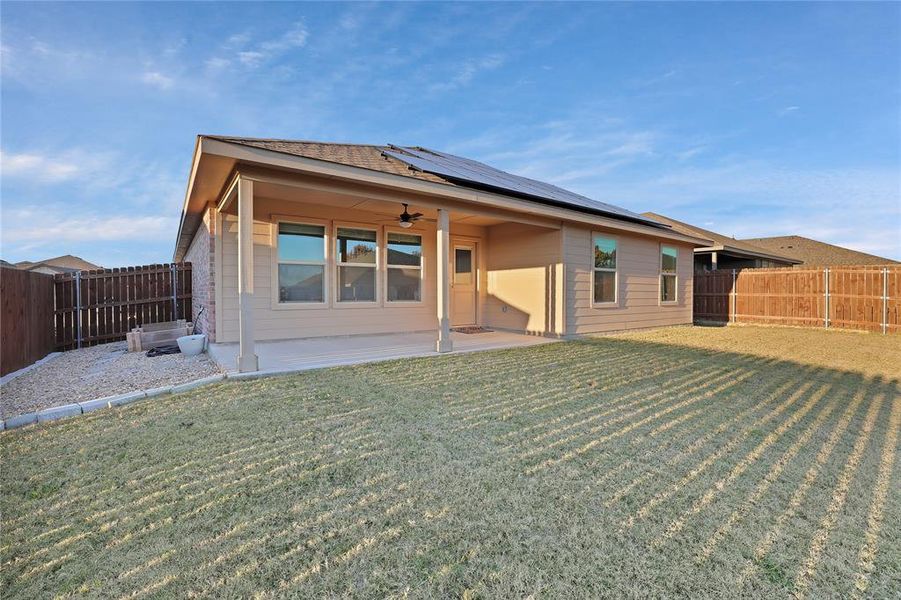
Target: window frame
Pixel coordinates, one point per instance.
(276, 303)
(616, 302)
(422, 261)
(661, 274)
(337, 264)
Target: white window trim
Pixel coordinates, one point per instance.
(421, 267)
(275, 303)
(337, 264)
(661, 273)
(615, 271)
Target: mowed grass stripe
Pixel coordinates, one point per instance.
(769, 479)
(733, 421)
(867, 554)
(699, 468)
(839, 494)
(754, 455)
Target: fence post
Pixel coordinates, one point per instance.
(884, 300)
(826, 301)
(78, 309)
(734, 296)
(174, 281)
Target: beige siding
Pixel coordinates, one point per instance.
(638, 263)
(273, 321)
(523, 264)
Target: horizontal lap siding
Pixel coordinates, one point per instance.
(275, 323)
(523, 264)
(638, 262)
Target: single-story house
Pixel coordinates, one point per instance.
(298, 239)
(57, 265)
(814, 253)
(726, 252)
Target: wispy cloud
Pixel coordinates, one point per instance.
(43, 168)
(788, 110)
(37, 226)
(463, 74)
(256, 54)
(158, 80)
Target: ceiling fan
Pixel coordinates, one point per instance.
(406, 219)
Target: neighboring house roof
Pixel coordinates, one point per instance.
(58, 264)
(722, 243)
(408, 170)
(816, 253)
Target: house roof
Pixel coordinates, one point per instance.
(722, 243)
(66, 262)
(816, 253)
(406, 161)
(355, 155)
(217, 159)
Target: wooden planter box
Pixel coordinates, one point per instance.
(158, 334)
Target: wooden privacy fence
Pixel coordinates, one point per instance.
(866, 297)
(26, 322)
(96, 307)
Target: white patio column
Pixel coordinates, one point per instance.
(247, 359)
(443, 271)
(713, 261)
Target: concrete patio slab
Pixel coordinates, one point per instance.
(316, 353)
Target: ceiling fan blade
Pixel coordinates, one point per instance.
(415, 215)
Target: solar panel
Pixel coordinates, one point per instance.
(464, 170)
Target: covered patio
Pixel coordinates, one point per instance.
(316, 353)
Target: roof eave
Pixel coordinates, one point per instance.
(207, 145)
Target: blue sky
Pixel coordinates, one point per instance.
(749, 119)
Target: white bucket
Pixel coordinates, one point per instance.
(191, 345)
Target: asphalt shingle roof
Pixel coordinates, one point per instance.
(378, 158)
(717, 238)
(816, 253)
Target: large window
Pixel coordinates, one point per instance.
(668, 278)
(301, 263)
(404, 262)
(356, 263)
(604, 270)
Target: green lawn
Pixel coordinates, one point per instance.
(615, 467)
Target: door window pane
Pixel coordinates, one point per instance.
(304, 243)
(301, 283)
(356, 284)
(604, 286)
(404, 285)
(356, 245)
(404, 249)
(462, 266)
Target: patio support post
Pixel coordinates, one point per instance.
(443, 271)
(247, 359)
(713, 261)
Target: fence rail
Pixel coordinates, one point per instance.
(863, 298)
(96, 307)
(26, 322)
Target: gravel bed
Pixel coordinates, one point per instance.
(95, 372)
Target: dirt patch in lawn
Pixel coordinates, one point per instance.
(868, 353)
(95, 372)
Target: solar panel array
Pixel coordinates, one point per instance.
(460, 169)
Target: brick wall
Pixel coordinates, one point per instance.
(201, 254)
